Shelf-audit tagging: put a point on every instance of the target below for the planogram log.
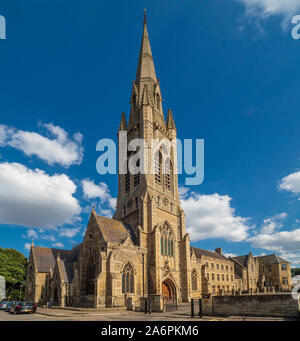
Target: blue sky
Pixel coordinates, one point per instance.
(229, 71)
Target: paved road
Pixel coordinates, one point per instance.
(127, 316)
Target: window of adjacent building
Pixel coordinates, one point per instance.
(212, 265)
(217, 266)
(226, 267)
(227, 278)
(222, 267)
(231, 268)
(223, 278)
(283, 267)
(213, 277)
(231, 277)
(206, 264)
(218, 277)
(128, 279)
(194, 280)
(213, 289)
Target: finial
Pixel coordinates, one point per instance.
(145, 16)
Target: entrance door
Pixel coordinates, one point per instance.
(166, 292)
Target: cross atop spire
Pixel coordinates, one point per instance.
(145, 70)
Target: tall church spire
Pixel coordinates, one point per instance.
(145, 68)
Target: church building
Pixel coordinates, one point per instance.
(144, 251)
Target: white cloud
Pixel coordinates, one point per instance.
(60, 245)
(33, 198)
(272, 7)
(27, 246)
(60, 149)
(285, 243)
(211, 216)
(31, 234)
(69, 232)
(291, 183)
(226, 254)
(92, 191)
(273, 223)
(279, 241)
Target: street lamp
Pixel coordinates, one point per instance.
(20, 292)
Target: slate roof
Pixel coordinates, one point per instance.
(241, 259)
(201, 252)
(67, 270)
(45, 258)
(114, 230)
(271, 259)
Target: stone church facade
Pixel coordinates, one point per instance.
(144, 251)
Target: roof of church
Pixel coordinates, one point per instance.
(271, 259)
(211, 254)
(45, 258)
(114, 230)
(67, 270)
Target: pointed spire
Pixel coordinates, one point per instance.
(170, 120)
(123, 122)
(145, 66)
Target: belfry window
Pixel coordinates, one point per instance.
(158, 167)
(128, 279)
(127, 182)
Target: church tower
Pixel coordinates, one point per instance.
(150, 202)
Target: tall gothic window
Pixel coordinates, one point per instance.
(168, 174)
(158, 167)
(127, 182)
(194, 280)
(167, 245)
(128, 279)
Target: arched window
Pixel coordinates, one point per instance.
(127, 182)
(169, 247)
(194, 280)
(168, 174)
(162, 245)
(158, 167)
(172, 248)
(158, 201)
(128, 279)
(136, 202)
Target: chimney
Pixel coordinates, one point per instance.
(218, 250)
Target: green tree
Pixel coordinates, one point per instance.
(13, 266)
(295, 271)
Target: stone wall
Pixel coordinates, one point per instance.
(256, 305)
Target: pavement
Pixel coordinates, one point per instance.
(120, 314)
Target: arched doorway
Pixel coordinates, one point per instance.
(55, 297)
(169, 291)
